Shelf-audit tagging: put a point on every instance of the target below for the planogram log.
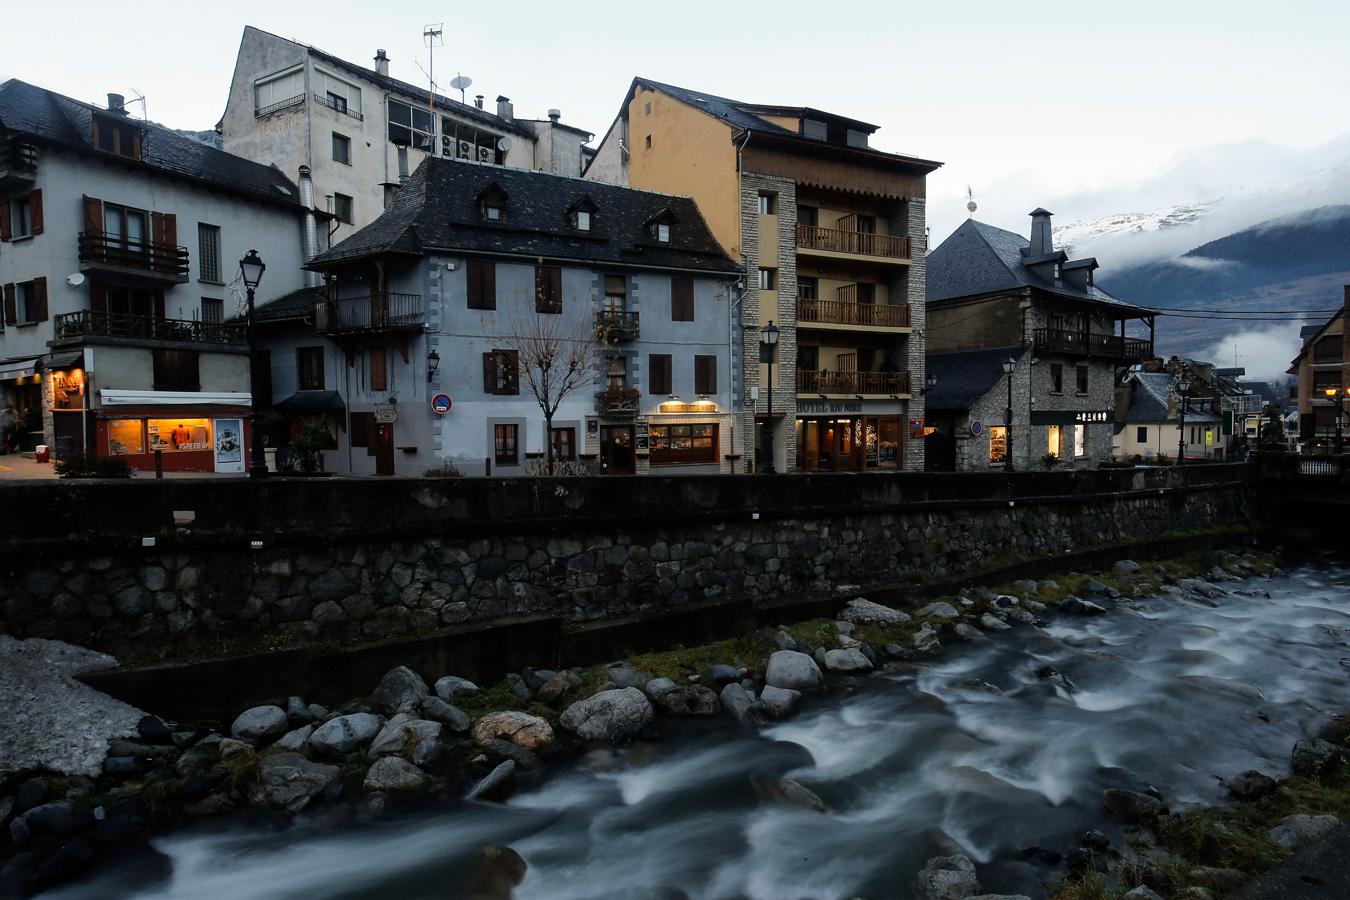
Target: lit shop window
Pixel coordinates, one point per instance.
(126, 436)
(178, 435)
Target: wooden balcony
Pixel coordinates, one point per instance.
(18, 164)
(145, 262)
(614, 326)
(78, 327)
(836, 242)
(371, 314)
(853, 384)
(825, 313)
(1102, 346)
(618, 404)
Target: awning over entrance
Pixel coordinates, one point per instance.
(54, 362)
(311, 403)
(111, 397)
(18, 368)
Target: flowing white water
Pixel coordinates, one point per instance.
(1165, 693)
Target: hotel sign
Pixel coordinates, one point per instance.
(829, 406)
(1070, 417)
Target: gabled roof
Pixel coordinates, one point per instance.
(964, 376)
(981, 259)
(1311, 334)
(298, 304)
(435, 211)
(44, 116)
(1149, 401)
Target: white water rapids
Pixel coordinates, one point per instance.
(1168, 693)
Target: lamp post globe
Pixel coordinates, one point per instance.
(768, 343)
(251, 269)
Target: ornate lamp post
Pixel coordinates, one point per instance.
(251, 269)
(768, 345)
(1183, 388)
(1338, 394)
(1009, 366)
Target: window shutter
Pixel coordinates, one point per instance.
(659, 364)
(98, 297)
(360, 432)
(40, 299)
(705, 374)
(682, 299)
(473, 278)
(93, 215)
(511, 360)
(555, 286)
(35, 210)
(5, 233)
(10, 305)
(489, 285)
(489, 372)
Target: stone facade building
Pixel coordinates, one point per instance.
(992, 289)
(1322, 366)
(831, 233)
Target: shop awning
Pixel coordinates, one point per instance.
(18, 368)
(112, 397)
(71, 359)
(311, 403)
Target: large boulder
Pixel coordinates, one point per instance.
(683, 700)
(500, 869)
(1125, 567)
(1131, 806)
(260, 725)
(451, 686)
(1312, 756)
(399, 689)
(794, 671)
(968, 633)
(403, 732)
(948, 878)
(1079, 606)
(295, 739)
(345, 734)
(392, 774)
(941, 610)
(558, 684)
(521, 729)
(990, 622)
(737, 701)
(1295, 831)
(1251, 785)
(847, 661)
(609, 715)
(864, 612)
(792, 792)
(452, 717)
(498, 785)
(289, 782)
(779, 702)
(926, 640)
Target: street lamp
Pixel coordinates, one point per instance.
(251, 269)
(433, 363)
(1009, 366)
(768, 343)
(1339, 396)
(1183, 388)
(929, 382)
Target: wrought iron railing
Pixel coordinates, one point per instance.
(1082, 343)
(618, 403)
(863, 243)
(826, 382)
(270, 108)
(90, 323)
(613, 325)
(840, 312)
(373, 312)
(337, 107)
(98, 248)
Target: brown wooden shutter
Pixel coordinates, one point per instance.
(555, 286)
(490, 372)
(489, 285)
(35, 210)
(379, 370)
(659, 364)
(473, 279)
(5, 233)
(361, 428)
(11, 304)
(93, 215)
(511, 361)
(40, 299)
(98, 297)
(682, 298)
(705, 374)
(170, 225)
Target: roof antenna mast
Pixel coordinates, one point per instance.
(140, 98)
(432, 36)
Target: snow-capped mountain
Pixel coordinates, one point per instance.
(1087, 232)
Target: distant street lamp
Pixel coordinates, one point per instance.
(1009, 366)
(251, 269)
(768, 344)
(1338, 394)
(1183, 388)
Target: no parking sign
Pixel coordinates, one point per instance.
(440, 404)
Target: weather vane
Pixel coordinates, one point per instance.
(970, 202)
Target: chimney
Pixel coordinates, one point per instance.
(478, 100)
(504, 110)
(117, 104)
(381, 63)
(311, 225)
(1042, 244)
(554, 115)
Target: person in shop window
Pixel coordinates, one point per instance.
(181, 437)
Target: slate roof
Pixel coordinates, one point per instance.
(47, 117)
(981, 259)
(1148, 401)
(298, 304)
(1261, 389)
(965, 376)
(732, 111)
(436, 210)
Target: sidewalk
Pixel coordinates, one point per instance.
(20, 467)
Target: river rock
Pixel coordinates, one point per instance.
(797, 795)
(1223, 881)
(340, 736)
(498, 785)
(525, 760)
(399, 688)
(1251, 785)
(1203, 588)
(1131, 806)
(429, 754)
(721, 675)
(864, 612)
(609, 715)
(1024, 616)
(926, 640)
(552, 691)
(968, 633)
(152, 730)
(794, 671)
(60, 817)
(682, 700)
(779, 702)
(847, 661)
(521, 729)
(519, 687)
(393, 774)
(1143, 892)
(1295, 831)
(1194, 892)
(737, 701)
(1035, 607)
(260, 724)
(536, 678)
(451, 685)
(1125, 567)
(624, 675)
(294, 740)
(500, 869)
(1312, 756)
(941, 610)
(452, 717)
(983, 687)
(287, 781)
(848, 643)
(1080, 607)
(948, 878)
(401, 731)
(993, 623)
(298, 712)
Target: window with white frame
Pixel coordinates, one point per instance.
(768, 279)
(279, 88)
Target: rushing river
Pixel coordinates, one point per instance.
(1165, 692)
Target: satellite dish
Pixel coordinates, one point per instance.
(75, 280)
(460, 82)
(504, 143)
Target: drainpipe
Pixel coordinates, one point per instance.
(311, 232)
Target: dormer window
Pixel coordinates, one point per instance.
(659, 226)
(492, 212)
(663, 232)
(492, 203)
(582, 213)
(117, 138)
(582, 220)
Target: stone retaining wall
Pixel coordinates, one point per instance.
(372, 559)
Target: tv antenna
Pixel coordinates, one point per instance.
(971, 205)
(459, 83)
(433, 37)
(140, 98)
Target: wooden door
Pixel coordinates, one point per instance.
(384, 449)
(616, 450)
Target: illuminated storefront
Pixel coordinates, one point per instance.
(209, 435)
(854, 442)
(684, 434)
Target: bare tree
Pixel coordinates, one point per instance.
(555, 358)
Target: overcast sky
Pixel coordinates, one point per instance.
(1022, 101)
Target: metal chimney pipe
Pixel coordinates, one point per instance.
(311, 227)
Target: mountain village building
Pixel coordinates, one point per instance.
(831, 234)
(1322, 366)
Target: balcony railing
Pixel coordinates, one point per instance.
(1082, 343)
(887, 383)
(374, 312)
(270, 108)
(165, 262)
(840, 312)
(621, 403)
(863, 243)
(615, 325)
(90, 324)
(337, 106)
(18, 164)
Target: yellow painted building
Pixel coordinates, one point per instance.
(832, 236)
